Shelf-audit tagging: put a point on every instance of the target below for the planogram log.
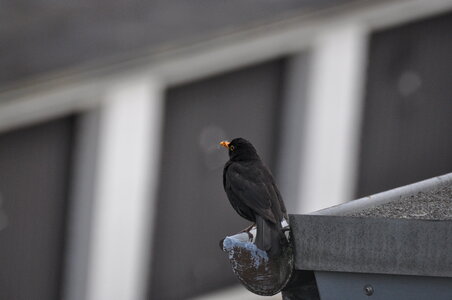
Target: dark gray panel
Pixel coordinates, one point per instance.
(46, 35)
(193, 213)
(372, 245)
(407, 127)
(34, 167)
(350, 286)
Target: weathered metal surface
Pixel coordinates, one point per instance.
(266, 275)
(260, 273)
(373, 245)
(338, 285)
(302, 286)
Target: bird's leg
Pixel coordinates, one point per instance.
(247, 230)
(286, 229)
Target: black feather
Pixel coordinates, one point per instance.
(253, 193)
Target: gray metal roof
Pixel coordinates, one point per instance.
(40, 36)
(382, 233)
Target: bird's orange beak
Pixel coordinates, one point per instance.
(225, 144)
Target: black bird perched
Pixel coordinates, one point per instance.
(253, 193)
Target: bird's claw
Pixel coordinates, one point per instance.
(250, 236)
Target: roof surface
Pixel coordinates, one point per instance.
(49, 35)
(435, 204)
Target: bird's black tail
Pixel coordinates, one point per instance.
(269, 236)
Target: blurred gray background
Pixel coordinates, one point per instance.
(111, 114)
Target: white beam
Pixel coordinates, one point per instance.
(130, 123)
(333, 109)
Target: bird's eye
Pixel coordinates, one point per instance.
(231, 147)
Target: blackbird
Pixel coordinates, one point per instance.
(254, 195)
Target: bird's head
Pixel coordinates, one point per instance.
(240, 149)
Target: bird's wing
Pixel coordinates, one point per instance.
(252, 185)
(281, 202)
